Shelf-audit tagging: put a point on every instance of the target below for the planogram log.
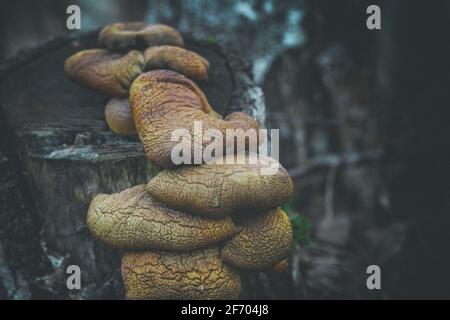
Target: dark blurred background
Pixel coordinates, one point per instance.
(363, 125)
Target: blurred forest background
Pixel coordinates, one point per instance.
(363, 126)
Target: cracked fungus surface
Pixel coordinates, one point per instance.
(164, 102)
(200, 274)
(262, 241)
(217, 190)
(138, 35)
(183, 61)
(103, 71)
(133, 220)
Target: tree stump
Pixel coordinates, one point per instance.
(57, 153)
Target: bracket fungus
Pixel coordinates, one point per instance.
(218, 190)
(164, 101)
(133, 220)
(263, 241)
(199, 274)
(138, 35)
(104, 71)
(189, 231)
(118, 116)
(183, 61)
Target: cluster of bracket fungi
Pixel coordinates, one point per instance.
(192, 230)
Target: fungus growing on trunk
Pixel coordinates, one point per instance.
(263, 241)
(164, 101)
(119, 117)
(133, 220)
(183, 219)
(218, 190)
(138, 35)
(200, 274)
(188, 63)
(103, 71)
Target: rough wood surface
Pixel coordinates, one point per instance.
(58, 153)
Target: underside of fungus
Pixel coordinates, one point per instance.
(191, 230)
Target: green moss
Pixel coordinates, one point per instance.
(211, 39)
(300, 229)
(300, 224)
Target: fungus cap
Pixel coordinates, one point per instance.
(119, 117)
(138, 35)
(199, 274)
(217, 190)
(164, 101)
(281, 266)
(133, 220)
(262, 242)
(103, 71)
(188, 63)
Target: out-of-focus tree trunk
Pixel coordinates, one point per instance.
(413, 92)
